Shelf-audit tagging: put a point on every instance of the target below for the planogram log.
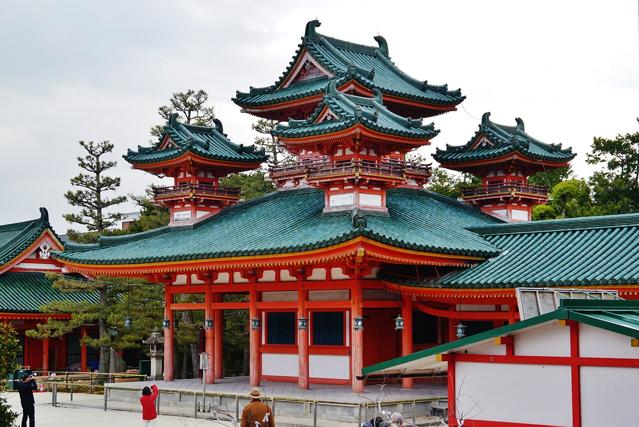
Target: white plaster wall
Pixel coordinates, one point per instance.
(609, 396)
(237, 278)
(337, 274)
(267, 276)
(196, 281)
(519, 215)
(370, 199)
(550, 340)
(489, 348)
(595, 342)
(329, 366)
(285, 276)
(533, 394)
(222, 278)
(318, 274)
(34, 266)
(180, 279)
(283, 365)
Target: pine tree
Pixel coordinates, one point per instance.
(191, 107)
(276, 152)
(93, 186)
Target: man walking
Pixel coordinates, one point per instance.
(26, 388)
(257, 413)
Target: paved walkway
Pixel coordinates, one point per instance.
(91, 414)
(318, 392)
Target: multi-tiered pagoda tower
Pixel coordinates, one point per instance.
(349, 114)
(196, 157)
(504, 157)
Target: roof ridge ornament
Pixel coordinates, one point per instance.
(218, 126)
(485, 118)
(44, 216)
(520, 124)
(383, 45)
(173, 119)
(311, 26)
(358, 219)
(377, 95)
(331, 88)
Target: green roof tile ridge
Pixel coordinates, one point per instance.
(563, 224)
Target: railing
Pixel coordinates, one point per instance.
(506, 187)
(319, 169)
(187, 189)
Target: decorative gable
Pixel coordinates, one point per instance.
(306, 69)
(482, 142)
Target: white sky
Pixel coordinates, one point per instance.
(72, 70)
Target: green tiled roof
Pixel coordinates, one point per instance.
(350, 110)
(27, 292)
(369, 66)
(292, 221)
(504, 140)
(209, 142)
(16, 237)
(570, 252)
(621, 317)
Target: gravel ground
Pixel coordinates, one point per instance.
(68, 414)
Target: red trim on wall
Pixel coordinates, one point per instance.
(485, 423)
(549, 360)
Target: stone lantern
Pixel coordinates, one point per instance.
(156, 355)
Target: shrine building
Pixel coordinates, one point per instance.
(25, 259)
(351, 261)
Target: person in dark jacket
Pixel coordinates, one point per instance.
(26, 388)
(147, 400)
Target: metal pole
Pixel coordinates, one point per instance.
(359, 414)
(314, 414)
(157, 404)
(413, 410)
(237, 407)
(90, 382)
(105, 390)
(195, 405)
(71, 394)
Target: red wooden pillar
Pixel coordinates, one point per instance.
(218, 319)
(209, 337)
(575, 374)
(407, 333)
(302, 339)
(254, 337)
(357, 354)
(168, 335)
(83, 349)
(452, 395)
(45, 355)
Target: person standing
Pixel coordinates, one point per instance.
(26, 388)
(257, 413)
(147, 400)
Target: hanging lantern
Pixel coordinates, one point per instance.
(255, 323)
(399, 322)
(128, 322)
(208, 323)
(460, 330)
(166, 323)
(302, 323)
(358, 323)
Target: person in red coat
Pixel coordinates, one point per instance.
(149, 414)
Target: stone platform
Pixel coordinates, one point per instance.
(321, 405)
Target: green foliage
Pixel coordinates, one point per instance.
(450, 183)
(252, 184)
(9, 348)
(616, 188)
(152, 215)
(191, 107)
(93, 185)
(119, 299)
(551, 177)
(567, 199)
(276, 152)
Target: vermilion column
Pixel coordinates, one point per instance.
(83, 349)
(254, 337)
(407, 333)
(452, 395)
(219, 339)
(302, 339)
(45, 355)
(209, 338)
(357, 356)
(168, 336)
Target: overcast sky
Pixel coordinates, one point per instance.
(89, 70)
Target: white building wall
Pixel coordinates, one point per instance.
(550, 340)
(511, 393)
(595, 342)
(281, 365)
(609, 396)
(329, 366)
